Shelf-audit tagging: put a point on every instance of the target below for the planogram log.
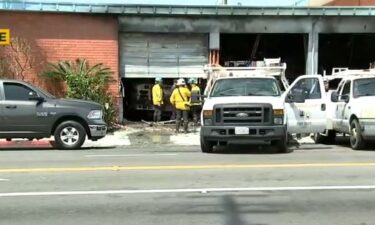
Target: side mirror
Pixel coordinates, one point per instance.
(345, 98)
(295, 97)
(334, 96)
(34, 97)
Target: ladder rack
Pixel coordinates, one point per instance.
(341, 72)
(268, 67)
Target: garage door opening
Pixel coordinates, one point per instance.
(355, 51)
(291, 48)
(145, 56)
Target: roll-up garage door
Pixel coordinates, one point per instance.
(148, 55)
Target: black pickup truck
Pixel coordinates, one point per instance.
(29, 112)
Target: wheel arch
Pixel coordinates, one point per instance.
(352, 117)
(72, 118)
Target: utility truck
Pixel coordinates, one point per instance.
(350, 108)
(246, 105)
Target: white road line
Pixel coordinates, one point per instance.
(2, 179)
(193, 190)
(131, 155)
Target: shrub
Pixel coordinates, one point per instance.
(85, 82)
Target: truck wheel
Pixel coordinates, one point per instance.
(69, 135)
(321, 139)
(331, 137)
(356, 139)
(282, 147)
(206, 146)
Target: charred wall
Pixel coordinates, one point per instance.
(291, 48)
(355, 51)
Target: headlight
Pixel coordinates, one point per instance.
(95, 115)
(278, 116)
(207, 113)
(278, 120)
(207, 117)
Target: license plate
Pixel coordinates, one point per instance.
(241, 130)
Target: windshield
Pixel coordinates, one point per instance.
(246, 87)
(364, 87)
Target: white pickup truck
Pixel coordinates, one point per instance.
(248, 107)
(351, 109)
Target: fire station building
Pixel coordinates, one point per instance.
(140, 42)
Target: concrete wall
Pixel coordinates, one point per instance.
(311, 25)
(249, 24)
(57, 37)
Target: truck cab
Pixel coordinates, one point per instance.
(247, 106)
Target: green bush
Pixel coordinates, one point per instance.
(85, 82)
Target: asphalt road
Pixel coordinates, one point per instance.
(165, 184)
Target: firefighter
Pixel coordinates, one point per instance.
(173, 115)
(180, 99)
(157, 99)
(195, 101)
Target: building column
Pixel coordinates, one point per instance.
(214, 45)
(312, 53)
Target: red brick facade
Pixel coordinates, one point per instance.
(57, 37)
(352, 3)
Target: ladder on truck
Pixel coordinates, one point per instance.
(341, 72)
(267, 67)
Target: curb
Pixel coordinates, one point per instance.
(115, 140)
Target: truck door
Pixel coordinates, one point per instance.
(19, 112)
(305, 105)
(342, 107)
(335, 119)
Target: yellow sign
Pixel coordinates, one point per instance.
(4, 36)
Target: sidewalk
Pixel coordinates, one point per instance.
(136, 134)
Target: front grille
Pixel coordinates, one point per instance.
(255, 114)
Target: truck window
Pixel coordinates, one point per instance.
(246, 87)
(333, 84)
(346, 89)
(364, 87)
(17, 92)
(310, 87)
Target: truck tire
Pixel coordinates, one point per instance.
(356, 139)
(331, 137)
(321, 139)
(282, 145)
(69, 135)
(206, 146)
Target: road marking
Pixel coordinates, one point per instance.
(185, 167)
(191, 190)
(2, 179)
(131, 155)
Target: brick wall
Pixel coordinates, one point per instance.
(352, 3)
(57, 37)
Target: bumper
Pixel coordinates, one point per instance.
(97, 131)
(257, 134)
(368, 128)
